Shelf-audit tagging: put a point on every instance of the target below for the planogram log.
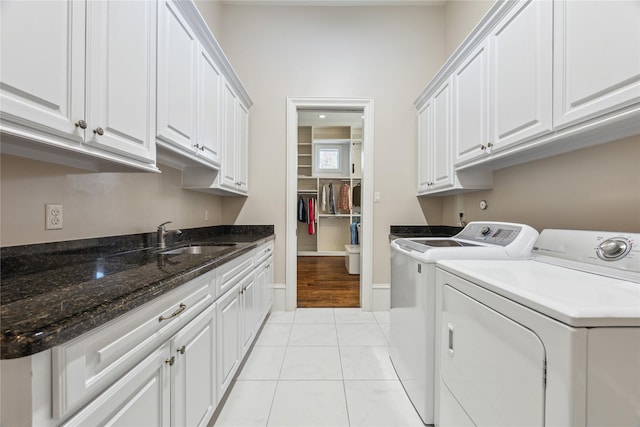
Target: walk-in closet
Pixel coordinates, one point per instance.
(329, 208)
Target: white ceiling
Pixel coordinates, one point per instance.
(335, 2)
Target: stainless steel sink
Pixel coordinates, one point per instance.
(200, 249)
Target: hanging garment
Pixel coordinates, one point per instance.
(354, 233)
(332, 200)
(302, 217)
(344, 201)
(312, 224)
(324, 198)
(356, 195)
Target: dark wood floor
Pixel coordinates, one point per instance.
(325, 282)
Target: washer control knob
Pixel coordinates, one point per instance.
(485, 230)
(613, 249)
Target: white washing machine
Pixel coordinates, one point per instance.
(551, 341)
(413, 292)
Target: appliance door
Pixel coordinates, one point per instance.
(491, 365)
(412, 326)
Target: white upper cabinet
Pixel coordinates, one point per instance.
(198, 98)
(208, 111)
(177, 66)
(121, 77)
(471, 106)
(597, 58)
(521, 75)
(234, 170)
(79, 76)
(243, 148)
(229, 172)
(440, 147)
(42, 59)
(534, 78)
(425, 138)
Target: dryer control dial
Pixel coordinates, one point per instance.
(485, 230)
(613, 249)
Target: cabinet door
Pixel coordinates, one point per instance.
(264, 285)
(471, 106)
(140, 398)
(249, 308)
(242, 144)
(521, 83)
(208, 111)
(228, 312)
(194, 371)
(441, 162)
(121, 77)
(597, 58)
(177, 55)
(42, 60)
(425, 130)
(229, 167)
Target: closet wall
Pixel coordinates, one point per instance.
(340, 170)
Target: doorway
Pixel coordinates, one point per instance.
(340, 132)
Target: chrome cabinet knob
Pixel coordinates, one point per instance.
(81, 124)
(99, 131)
(483, 147)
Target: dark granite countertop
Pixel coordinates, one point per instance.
(404, 231)
(52, 293)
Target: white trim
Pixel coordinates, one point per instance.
(366, 273)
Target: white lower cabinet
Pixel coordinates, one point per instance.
(248, 294)
(140, 398)
(167, 363)
(229, 309)
(193, 371)
(264, 288)
(174, 386)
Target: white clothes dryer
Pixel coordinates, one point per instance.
(550, 341)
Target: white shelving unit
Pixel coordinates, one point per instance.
(332, 230)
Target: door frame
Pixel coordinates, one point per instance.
(366, 235)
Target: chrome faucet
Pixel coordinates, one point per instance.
(162, 233)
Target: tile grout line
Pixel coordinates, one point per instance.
(275, 390)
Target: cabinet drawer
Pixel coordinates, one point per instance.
(263, 251)
(233, 271)
(86, 365)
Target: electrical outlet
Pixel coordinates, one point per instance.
(53, 217)
(206, 215)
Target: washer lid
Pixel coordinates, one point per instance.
(573, 297)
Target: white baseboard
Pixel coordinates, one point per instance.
(279, 297)
(381, 298)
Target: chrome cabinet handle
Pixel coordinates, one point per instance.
(171, 360)
(81, 124)
(181, 350)
(483, 147)
(99, 131)
(489, 145)
(180, 309)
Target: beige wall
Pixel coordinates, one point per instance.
(461, 16)
(596, 188)
(282, 52)
(94, 204)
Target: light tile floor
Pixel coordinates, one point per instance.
(320, 367)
